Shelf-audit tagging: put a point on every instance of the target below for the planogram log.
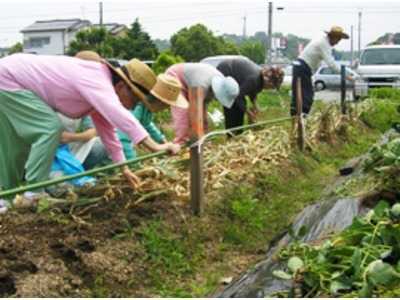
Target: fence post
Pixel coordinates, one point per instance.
(196, 115)
(343, 89)
(299, 116)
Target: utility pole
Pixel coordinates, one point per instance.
(244, 26)
(351, 45)
(101, 14)
(359, 33)
(269, 46)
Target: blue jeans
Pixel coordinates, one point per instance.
(97, 156)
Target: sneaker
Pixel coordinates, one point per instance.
(4, 206)
(28, 199)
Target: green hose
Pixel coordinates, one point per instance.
(47, 183)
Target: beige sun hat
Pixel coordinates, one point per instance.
(337, 31)
(168, 90)
(89, 55)
(136, 74)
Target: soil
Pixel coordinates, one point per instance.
(60, 254)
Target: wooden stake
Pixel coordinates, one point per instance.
(299, 116)
(196, 119)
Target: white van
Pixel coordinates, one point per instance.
(379, 66)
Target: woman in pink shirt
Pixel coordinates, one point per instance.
(33, 88)
(215, 85)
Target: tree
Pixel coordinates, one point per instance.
(16, 48)
(197, 42)
(164, 60)
(253, 50)
(136, 44)
(95, 39)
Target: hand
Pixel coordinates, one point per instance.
(132, 179)
(252, 113)
(66, 137)
(173, 148)
(350, 78)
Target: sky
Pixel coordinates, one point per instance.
(162, 18)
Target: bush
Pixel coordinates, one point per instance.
(164, 61)
(385, 93)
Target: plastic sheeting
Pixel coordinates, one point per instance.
(330, 215)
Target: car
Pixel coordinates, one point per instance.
(215, 60)
(379, 66)
(327, 78)
(117, 62)
(287, 78)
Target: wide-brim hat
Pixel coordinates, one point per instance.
(337, 31)
(89, 55)
(225, 89)
(168, 90)
(139, 77)
(136, 74)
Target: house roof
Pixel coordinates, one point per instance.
(112, 28)
(56, 25)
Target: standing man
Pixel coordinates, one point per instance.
(252, 79)
(309, 61)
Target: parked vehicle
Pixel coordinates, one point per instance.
(215, 60)
(287, 78)
(379, 66)
(327, 78)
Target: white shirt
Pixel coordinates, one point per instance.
(317, 51)
(80, 150)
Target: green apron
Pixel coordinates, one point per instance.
(29, 135)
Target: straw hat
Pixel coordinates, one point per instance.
(168, 90)
(136, 74)
(337, 31)
(89, 55)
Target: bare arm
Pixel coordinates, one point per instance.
(69, 137)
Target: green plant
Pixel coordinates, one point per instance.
(360, 261)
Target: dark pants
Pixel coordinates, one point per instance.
(234, 117)
(302, 70)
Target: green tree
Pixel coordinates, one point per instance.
(253, 50)
(164, 60)
(197, 42)
(96, 39)
(137, 43)
(16, 48)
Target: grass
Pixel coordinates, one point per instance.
(188, 259)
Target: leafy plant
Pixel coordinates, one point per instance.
(361, 261)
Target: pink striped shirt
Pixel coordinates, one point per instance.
(75, 88)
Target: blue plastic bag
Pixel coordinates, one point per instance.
(68, 164)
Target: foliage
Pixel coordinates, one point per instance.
(197, 42)
(383, 111)
(164, 60)
(357, 262)
(382, 157)
(136, 44)
(96, 39)
(384, 93)
(253, 50)
(16, 48)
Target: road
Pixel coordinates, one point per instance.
(332, 95)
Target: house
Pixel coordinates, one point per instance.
(4, 51)
(51, 37)
(114, 29)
